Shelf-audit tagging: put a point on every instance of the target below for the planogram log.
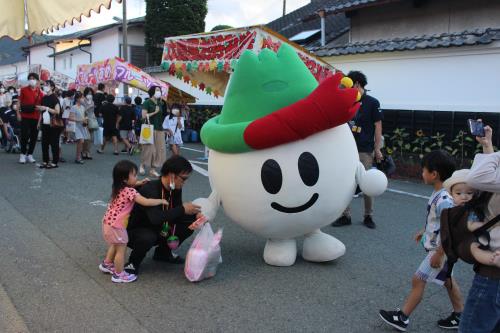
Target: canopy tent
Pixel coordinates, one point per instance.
(116, 70)
(27, 17)
(206, 60)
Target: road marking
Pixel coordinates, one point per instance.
(37, 180)
(192, 149)
(98, 203)
(199, 162)
(199, 169)
(408, 194)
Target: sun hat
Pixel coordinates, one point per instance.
(459, 176)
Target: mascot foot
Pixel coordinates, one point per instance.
(320, 247)
(280, 252)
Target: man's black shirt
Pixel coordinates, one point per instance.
(364, 123)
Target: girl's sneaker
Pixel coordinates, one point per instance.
(123, 277)
(108, 268)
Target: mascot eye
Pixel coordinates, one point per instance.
(308, 169)
(271, 176)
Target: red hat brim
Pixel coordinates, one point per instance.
(326, 107)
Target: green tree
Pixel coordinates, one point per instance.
(221, 27)
(166, 18)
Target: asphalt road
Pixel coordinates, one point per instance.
(51, 245)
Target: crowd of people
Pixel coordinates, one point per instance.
(86, 118)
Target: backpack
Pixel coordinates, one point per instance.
(456, 238)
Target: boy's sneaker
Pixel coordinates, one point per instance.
(396, 319)
(450, 323)
(22, 159)
(30, 159)
(107, 267)
(123, 277)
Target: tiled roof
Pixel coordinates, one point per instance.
(88, 32)
(293, 23)
(345, 5)
(464, 38)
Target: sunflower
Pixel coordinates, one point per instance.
(420, 133)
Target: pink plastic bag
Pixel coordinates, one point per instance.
(204, 255)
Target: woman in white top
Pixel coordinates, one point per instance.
(174, 124)
(77, 115)
(92, 126)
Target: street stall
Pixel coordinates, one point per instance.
(114, 71)
(205, 61)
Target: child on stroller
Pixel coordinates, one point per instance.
(10, 128)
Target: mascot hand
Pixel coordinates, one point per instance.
(209, 206)
(372, 182)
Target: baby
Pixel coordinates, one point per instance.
(461, 194)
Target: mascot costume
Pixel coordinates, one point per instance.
(283, 161)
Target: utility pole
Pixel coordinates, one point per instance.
(124, 43)
(284, 7)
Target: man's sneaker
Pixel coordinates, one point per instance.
(123, 277)
(22, 159)
(368, 222)
(451, 322)
(107, 267)
(160, 255)
(396, 319)
(131, 269)
(342, 221)
(30, 159)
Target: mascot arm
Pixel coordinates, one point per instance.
(372, 182)
(210, 205)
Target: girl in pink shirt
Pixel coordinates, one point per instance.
(114, 223)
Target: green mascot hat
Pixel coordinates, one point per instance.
(273, 99)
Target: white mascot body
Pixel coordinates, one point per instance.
(291, 190)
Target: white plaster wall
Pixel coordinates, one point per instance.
(78, 58)
(39, 55)
(104, 45)
(10, 70)
(459, 79)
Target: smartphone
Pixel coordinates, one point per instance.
(476, 128)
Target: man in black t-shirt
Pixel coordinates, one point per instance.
(367, 130)
(99, 98)
(126, 120)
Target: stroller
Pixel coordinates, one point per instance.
(13, 145)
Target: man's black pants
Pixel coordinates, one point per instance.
(29, 134)
(141, 240)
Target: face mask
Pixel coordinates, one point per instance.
(14, 107)
(89, 97)
(2, 90)
(46, 89)
(32, 83)
(11, 91)
(175, 112)
(157, 94)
